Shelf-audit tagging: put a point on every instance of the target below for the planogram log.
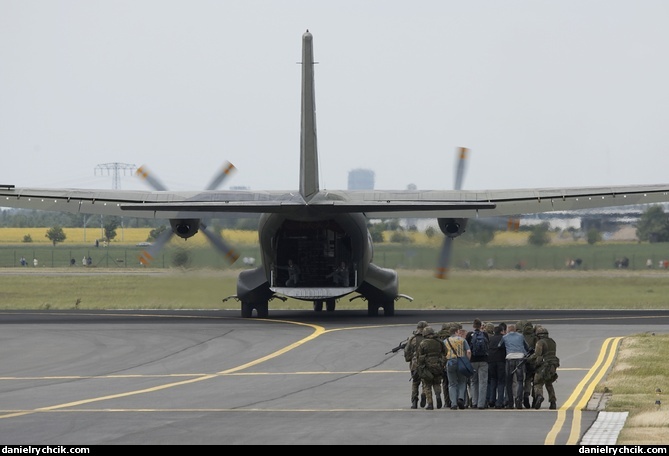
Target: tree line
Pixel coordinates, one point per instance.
(652, 226)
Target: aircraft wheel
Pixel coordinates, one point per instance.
(372, 309)
(389, 309)
(263, 310)
(330, 305)
(247, 309)
(318, 306)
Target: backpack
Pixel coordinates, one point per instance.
(479, 344)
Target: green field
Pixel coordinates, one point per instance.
(99, 288)
(389, 255)
(192, 275)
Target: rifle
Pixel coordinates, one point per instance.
(398, 348)
(525, 358)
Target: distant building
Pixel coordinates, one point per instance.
(361, 179)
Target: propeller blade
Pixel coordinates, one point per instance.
(230, 254)
(147, 256)
(460, 169)
(444, 260)
(152, 252)
(227, 169)
(143, 172)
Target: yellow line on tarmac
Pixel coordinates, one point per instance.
(585, 388)
(318, 330)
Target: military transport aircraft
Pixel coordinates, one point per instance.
(323, 232)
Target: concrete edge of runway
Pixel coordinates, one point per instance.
(605, 429)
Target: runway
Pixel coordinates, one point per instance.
(211, 378)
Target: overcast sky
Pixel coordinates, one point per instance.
(544, 93)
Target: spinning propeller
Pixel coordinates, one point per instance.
(186, 228)
(451, 227)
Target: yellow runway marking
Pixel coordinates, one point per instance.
(584, 389)
(318, 330)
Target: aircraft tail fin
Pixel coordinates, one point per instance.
(309, 184)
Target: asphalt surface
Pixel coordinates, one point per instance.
(211, 378)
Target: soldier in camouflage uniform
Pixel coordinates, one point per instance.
(546, 362)
(442, 335)
(431, 361)
(411, 356)
(527, 329)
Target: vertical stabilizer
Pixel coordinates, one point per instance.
(308, 152)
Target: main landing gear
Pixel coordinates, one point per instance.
(329, 305)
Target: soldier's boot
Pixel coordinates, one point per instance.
(429, 406)
(414, 403)
(553, 405)
(423, 400)
(439, 404)
(526, 400)
(534, 401)
(540, 399)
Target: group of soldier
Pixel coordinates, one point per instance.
(520, 361)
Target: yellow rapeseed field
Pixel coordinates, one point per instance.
(130, 236)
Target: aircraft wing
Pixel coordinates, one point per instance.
(372, 203)
(525, 201)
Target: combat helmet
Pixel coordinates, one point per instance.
(419, 327)
(541, 331)
(428, 331)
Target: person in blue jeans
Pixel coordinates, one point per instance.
(456, 345)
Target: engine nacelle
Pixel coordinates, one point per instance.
(452, 227)
(185, 228)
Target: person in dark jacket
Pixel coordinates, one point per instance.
(497, 369)
(479, 381)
